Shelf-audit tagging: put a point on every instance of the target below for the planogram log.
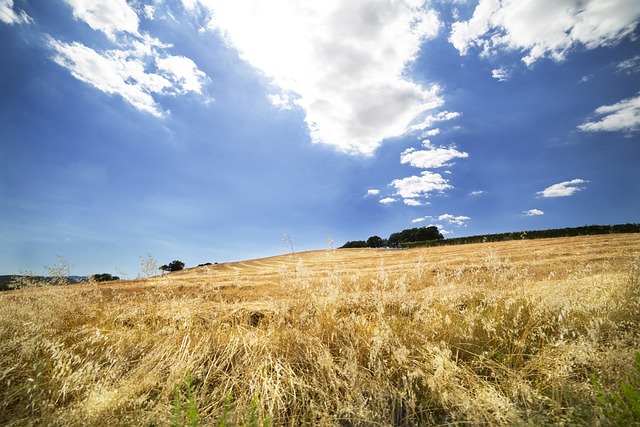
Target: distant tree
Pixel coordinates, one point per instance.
(376, 242)
(173, 266)
(354, 244)
(104, 277)
(422, 234)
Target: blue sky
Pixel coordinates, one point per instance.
(203, 130)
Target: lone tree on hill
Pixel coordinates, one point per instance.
(104, 277)
(173, 266)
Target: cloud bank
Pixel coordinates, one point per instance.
(342, 62)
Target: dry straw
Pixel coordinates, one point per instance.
(485, 334)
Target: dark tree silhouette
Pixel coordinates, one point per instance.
(173, 266)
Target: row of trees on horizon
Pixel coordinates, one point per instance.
(396, 240)
(429, 236)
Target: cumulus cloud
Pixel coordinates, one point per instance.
(110, 17)
(137, 67)
(415, 187)
(545, 28)
(623, 116)
(345, 61)
(10, 16)
(373, 192)
(431, 157)
(563, 189)
(533, 212)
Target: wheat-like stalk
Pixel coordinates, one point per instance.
(487, 334)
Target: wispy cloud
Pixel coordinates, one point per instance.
(623, 116)
(388, 200)
(427, 123)
(477, 193)
(563, 189)
(138, 67)
(533, 212)
(460, 220)
(373, 192)
(345, 61)
(9, 16)
(630, 66)
(545, 28)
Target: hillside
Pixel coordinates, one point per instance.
(495, 333)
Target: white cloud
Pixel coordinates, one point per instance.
(432, 157)
(124, 72)
(533, 212)
(373, 192)
(459, 220)
(630, 66)
(414, 187)
(477, 193)
(149, 11)
(429, 120)
(111, 72)
(183, 72)
(344, 60)
(387, 200)
(110, 17)
(412, 202)
(545, 27)
(500, 74)
(137, 68)
(10, 16)
(563, 189)
(623, 116)
(281, 100)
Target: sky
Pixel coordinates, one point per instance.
(206, 130)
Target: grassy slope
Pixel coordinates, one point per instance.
(497, 333)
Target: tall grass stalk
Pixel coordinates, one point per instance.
(491, 334)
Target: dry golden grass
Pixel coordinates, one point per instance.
(487, 334)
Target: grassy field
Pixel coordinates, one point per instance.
(510, 333)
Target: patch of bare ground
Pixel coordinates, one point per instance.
(483, 334)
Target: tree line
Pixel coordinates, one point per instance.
(397, 240)
(429, 236)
